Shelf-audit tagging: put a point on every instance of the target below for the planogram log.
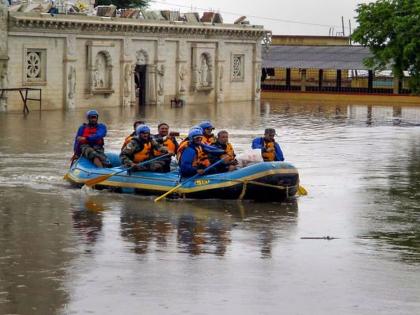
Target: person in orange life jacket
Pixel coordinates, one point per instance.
(89, 140)
(140, 149)
(167, 140)
(133, 134)
(208, 136)
(184, 143)
(228, 154)
(270, 149)
(194, 158)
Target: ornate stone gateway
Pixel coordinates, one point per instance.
(82, 61)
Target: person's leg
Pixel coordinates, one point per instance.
(89, 153)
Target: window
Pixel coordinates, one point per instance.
(34, 71)
(237, 67)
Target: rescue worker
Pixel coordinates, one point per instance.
(229, 155)
(140, 149)
(184, 143)
(270, 149)
(89, 140)
(208, 136)
(193, 158)
(168, 140)
(133, 134)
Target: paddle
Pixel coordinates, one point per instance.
(302, 191)
(188, 180)
(94, 181)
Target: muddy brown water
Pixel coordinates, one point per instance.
(72, 251)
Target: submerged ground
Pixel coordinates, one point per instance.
(71, 251)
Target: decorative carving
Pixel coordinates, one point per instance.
(33, 65)
(141, 57)
(204, 71)
(161, 73)
(71, 82)
(257, 78)
(71, 45)
(127, 80)
(182, 78)
(3, 74)
(221, 78)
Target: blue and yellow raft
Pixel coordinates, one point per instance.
(267, 181)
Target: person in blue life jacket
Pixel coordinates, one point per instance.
(194, 158)
(89, 140)
(270, 149)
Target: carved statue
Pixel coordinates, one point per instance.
(258, 78)
(98, 77)
(140, 58)
(3, 75)
(203, 71)
(72, 82)
(182, 77)
(161, 72)
(127, 80)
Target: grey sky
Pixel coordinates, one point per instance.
(297, 17)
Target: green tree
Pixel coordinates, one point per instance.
(391, 29)
(124, 4)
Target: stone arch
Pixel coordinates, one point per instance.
(102, 76)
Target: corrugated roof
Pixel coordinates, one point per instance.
(316, 57)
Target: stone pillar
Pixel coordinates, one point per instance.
(257, 71)
(338, 82)
(182, 72)
(303, 80)
(4, 57)
(126, 74)
(288, 78)
(320, 79)
(151, 85)
(370, 81)
(70, 73)
(220, 72)
(160, 71)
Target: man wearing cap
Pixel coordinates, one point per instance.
(168, 140)
(89, 140)
(270, 149)
(140, 149)
(208, 137)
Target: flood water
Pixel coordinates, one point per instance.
(70, 251)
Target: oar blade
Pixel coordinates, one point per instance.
(302, 191)
(94, 181)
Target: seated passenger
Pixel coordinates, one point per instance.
(140, 149)
(270, 149)
(208, 136)
(229, 155)
(193, 158)
(89, 140)
(133, 134)
(167, 140)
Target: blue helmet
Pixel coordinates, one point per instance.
(206, 124)
(195, 132)
(142, 129)
(91, 113)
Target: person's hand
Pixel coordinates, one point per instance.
(270, 150)
(80, 138)
(200, 171)
(164, 150)
(226, 159)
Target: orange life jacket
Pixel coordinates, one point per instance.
(269, 156)
(127, 141)
(210, 140)
(182, 146)
(201, 158)
(229, 152)
(144, 154)
(90, 131)
(169, 144)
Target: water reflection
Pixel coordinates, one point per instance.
(196, 228)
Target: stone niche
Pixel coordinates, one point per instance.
(99, 67)
(203, 59)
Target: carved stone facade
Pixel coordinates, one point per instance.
(112, 62)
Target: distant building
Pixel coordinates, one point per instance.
(81, 61)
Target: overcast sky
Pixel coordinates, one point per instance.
(282, 17)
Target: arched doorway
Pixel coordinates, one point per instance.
(140, 77)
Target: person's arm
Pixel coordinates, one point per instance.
(212, 149)
(100, 133)
(127, 154)
(279, 152)
(158, 146)
(76, 140)
(187, 160)
(257, 144)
